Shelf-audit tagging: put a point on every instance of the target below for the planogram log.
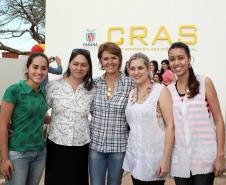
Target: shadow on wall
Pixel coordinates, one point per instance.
(11, 70)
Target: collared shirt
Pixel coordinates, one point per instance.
(70, 110)
(109, 129)
(52, 70)
(27, 117)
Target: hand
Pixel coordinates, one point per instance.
(58, 60)
(7, 169)
(163, 168)
(51, 59)
(218, 166)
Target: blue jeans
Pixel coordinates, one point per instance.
(100, 163)
(28, 167)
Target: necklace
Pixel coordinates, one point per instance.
(110, 85)
(142, 98)
(109, 92)
(183, 94)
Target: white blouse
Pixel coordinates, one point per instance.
(146, 138)
(70, 110)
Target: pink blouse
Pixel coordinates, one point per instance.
(167, 76)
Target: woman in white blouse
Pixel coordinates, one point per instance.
(68, 137)
(150, 117)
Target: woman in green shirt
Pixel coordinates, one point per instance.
(24, 105)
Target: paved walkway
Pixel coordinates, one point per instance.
(127, 181)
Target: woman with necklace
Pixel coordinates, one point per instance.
(198, 152)
(109, 129)
(150, 117)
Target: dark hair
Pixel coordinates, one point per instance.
(31, 58)
(88, 79)
(159, 76)
(193, 83)
(155, 63)
(112, 48)
(126, 69)
(167, 63)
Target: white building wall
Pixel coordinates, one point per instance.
(11, 71)
(68, 23)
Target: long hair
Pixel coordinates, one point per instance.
(193, 83)
(167, 63)
(156, 66)
(88, 79)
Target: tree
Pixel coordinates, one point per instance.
(20, 17)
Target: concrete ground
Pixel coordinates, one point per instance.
(127, 181)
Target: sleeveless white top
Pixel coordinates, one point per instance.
(146, 138)
(195, 136)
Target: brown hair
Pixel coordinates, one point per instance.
(111, 48)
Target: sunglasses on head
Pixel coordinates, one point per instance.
(81, 51)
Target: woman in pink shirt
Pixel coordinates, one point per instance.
(198, 152)
(167, 75)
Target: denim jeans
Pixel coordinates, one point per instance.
(100, 163)
(28, 167)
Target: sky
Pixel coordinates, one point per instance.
(23, 43)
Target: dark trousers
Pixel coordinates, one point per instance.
(138, 182)
(202, 179)
(66, 165)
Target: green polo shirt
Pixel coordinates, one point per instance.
(27, 117)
